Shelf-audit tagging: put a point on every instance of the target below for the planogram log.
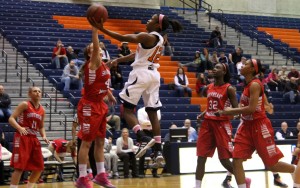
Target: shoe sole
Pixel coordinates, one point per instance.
(144, 150)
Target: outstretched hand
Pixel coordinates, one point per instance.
(95, 24)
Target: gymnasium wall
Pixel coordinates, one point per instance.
(289, 8)
(128, 3)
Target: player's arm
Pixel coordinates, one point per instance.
(255, 91)
(55, 154)
(126, 58)
(232, 96)
(42, 130)
(95, 58)
(12, 119)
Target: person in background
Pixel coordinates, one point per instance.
(284, 132)
(200, 83)
(116, 77)
(59, 53)
(234, 58)
(125, 152)
(105, 54)
(239, 66)
(167, 48)
(216, 40)
(195, 63)
(146, 126)
(214, 59)
(73, 56)
(223, 58)
(124, 51)
(297, 129)
(181, 83)
(70, 76)
(187, 124)
(5, 110)
(194, 135)
(113, 121)
(167, 150)
(111, 159)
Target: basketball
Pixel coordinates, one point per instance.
(98, 12)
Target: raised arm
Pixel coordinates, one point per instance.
(95, 57)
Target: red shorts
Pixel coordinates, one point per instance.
(257, 135)
(92, 119)
(215, 134)
(27, 153)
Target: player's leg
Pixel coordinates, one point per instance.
(15, 177)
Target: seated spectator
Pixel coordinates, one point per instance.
(239, 66)
(195, 63)
(294, 74)
(234, 58)
(188, 125)
(167, 150)
(5, 109)
(3, 141)
(111, 160)
(297, 129)
(214, 59)
(4, 155)
(291, 91)
(181, 83)
(167, 48)
(209, 78)
(113, 120)
(223, 58)
(124, 51)
(205, 61)
(59, 53)
(146, 126)
(194, 135)
(216, 40)
(116, 77)
(200, 83)
(105, 54)
(73, 56)
(283, 74)
(125, 151)
(284, 132)
(70, 76)
(273, 81)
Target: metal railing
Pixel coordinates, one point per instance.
(21, 79)
(65, 123)
(222, 18)
(56, 93)
(5, 59)
(270, 48)
(254, 35)
(50, 108)
(195, 7)
(31, 80)
(27, 69)
(238, 29)
(2, 33)
(16, 49)
(209, 10)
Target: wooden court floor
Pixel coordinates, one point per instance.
(260, 179)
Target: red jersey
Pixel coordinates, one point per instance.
(96, 82)
(32, 118)
(260, 109)
(217, 99)
(59, 145)
(62, 52)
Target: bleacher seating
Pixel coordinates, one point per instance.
(263, 26)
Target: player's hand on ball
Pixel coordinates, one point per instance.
(96, 24)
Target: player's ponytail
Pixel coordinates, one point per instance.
(164, 23)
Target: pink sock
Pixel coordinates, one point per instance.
(157, 139)
(136, 128)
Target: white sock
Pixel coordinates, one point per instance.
(100, 167)
(89, 170)
(13, 186)
(30, 185)
(242, 186)
(82, 170)
(198, 183)
(296, 185)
